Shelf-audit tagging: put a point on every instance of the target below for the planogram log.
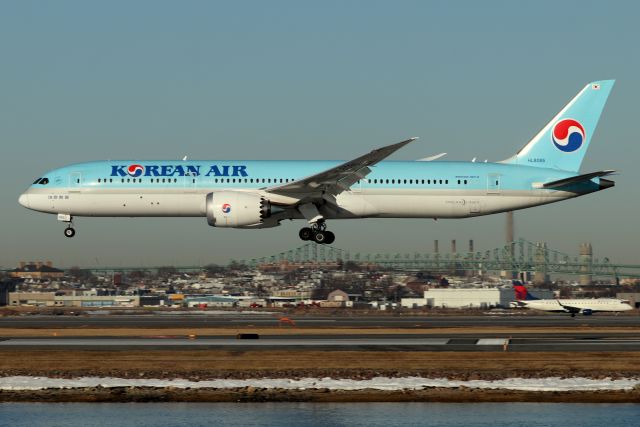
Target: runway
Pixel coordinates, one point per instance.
(522, 343)
(202, 320)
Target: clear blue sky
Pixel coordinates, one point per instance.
(86, 80)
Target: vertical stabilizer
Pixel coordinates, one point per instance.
(564, 141)
(521, 291)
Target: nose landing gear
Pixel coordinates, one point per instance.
(69, 231)
(318, 233)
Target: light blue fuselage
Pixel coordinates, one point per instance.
(402, 189)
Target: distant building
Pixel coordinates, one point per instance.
(295, 294)
(7, 286)
(50, 299)
(469, 298)
(37, 271)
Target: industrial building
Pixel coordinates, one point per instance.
(469, 298)
(50, 299)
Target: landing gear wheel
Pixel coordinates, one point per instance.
(329, 237)
(320, 237)
(306, 233)
(69, 232)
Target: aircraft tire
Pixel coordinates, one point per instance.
(320, 237)
(69, 232)
(305, 233)
(330, 237)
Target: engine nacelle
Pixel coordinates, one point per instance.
(232, 209)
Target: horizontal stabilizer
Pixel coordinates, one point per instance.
(576, 179)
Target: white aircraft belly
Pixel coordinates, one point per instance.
(389, 203)
(438, 204)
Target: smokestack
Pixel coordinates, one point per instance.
(586, 259)
(453, 246)
(435, 247)
(471, 245)
(510, 229)
(540, 276)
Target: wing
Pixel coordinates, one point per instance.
(569, 308)
(337, 179)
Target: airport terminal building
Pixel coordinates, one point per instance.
(469, 298)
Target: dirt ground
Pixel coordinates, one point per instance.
(250, 394)
(207, 364)
(202, 364)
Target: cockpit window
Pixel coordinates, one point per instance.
(41, 181)
(37, 181)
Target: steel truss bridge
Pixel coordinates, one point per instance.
(519, 256)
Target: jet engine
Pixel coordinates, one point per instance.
(235, 209)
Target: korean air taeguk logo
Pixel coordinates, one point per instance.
(135, 170)
(226, 208)
(568, 135)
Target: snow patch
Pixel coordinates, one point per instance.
(377, 383)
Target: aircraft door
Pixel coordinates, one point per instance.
(190, 182)
(75, 179)
(493, 183)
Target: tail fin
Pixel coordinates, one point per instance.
(563, 142)
(521, 291)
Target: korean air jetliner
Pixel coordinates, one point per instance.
(261, 194)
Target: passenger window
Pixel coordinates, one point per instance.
(98, 180)
(465, 182)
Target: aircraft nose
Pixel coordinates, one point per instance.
(24, 200)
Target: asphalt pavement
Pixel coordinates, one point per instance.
(202, 320)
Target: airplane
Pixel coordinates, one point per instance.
(586, 306)
(250, 194)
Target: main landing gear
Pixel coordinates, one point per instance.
(318, 233)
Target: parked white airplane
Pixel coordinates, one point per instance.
(586, 306)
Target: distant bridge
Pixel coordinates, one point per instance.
(519, 256)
